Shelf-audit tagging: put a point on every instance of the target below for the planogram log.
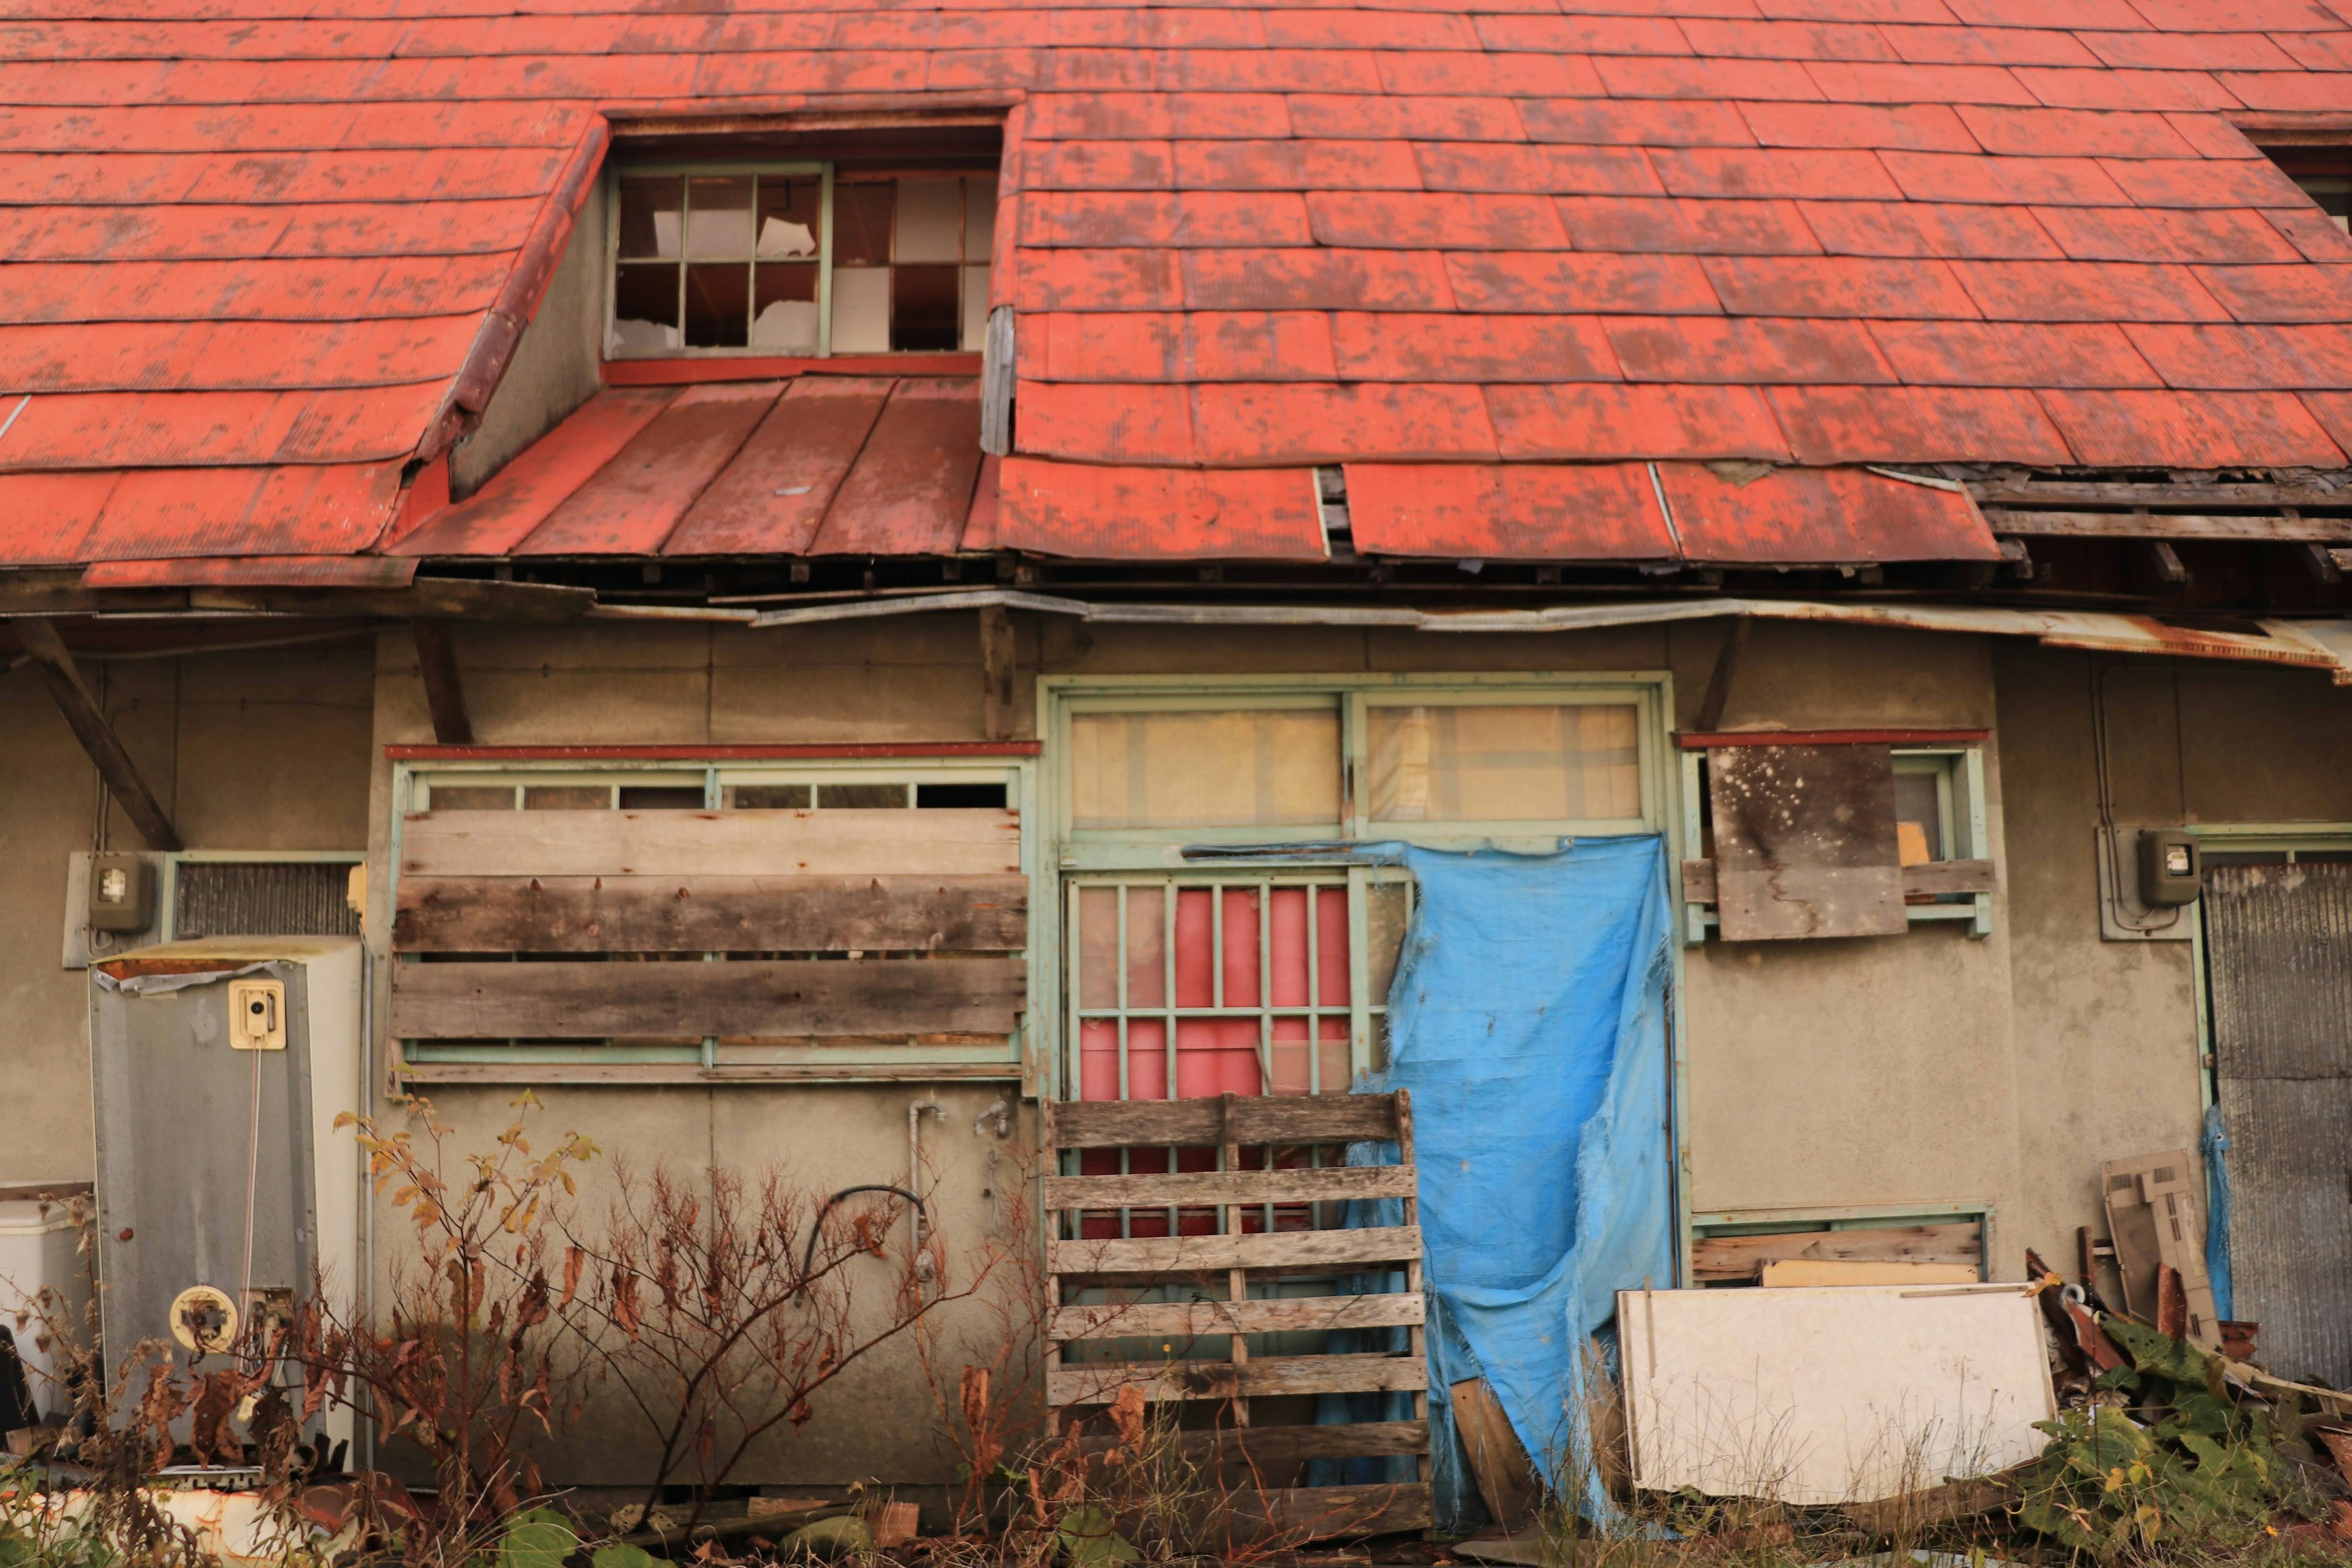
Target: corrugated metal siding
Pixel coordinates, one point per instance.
(2279, 955)
(263, 898)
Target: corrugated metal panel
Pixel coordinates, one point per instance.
(263, 898)
(2279, 961)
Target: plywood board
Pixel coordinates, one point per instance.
(976, 842)
(783, 998)
(1827, 1396)
(1740, 1256)
(1797, 1273)
(2153, 1218)
(712, 915)
(1805, 842)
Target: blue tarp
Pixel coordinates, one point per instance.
(1528, 1019)
(2216, 1145)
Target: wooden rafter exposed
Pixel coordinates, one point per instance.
(88, 721)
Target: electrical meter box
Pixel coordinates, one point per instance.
(226, 1194)
(2170, 872)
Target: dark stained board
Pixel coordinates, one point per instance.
(1804, 842)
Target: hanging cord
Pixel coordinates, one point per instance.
(252, 1183)
(2110, 850)
(816, 1226)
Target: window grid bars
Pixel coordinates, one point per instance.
(1360, 1008)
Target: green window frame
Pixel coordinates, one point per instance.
(716, 784)
(1146, 857)
(834, 270)
(1964, 829)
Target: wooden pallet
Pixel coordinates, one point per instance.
(1226, 1262)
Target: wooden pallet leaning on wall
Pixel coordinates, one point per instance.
(832, 924)
(1222, 1266)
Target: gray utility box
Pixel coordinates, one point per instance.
(225, 1192)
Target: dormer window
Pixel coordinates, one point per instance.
(797, 259)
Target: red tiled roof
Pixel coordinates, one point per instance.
(263, 252)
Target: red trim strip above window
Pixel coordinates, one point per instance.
(427, 754)
(742, 367)
(1705, 742)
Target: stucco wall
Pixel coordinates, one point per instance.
(1928, 1069)
(264, 748)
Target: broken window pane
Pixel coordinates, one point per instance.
(792, 214)
(923, 302)
(644, 308)
(861, 310)
(651, 213)
(785, 301)
(975, 309)
(1468, 763)
(930, 221)
(661, 797)
(718, 305)
(861, 796)
(1253, 767)
(979, 217)
(718, 217)
(1918, 816)
(768, 797)
(568, 797)
(471, 797)
(861, 223)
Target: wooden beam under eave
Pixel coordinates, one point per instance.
(87, 720)
(444, 695)
(996, 664)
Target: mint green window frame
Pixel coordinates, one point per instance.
(412, 790)
(799, 170)
(1144, 857)
(1966, 828)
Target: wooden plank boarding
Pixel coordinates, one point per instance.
(712, 915)
(1221, 1268)
(1098, 1382)
(785, 998)
(1160, 1189)
(962, 842)
(1260, 1252)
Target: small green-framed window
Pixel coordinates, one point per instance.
(801, 260)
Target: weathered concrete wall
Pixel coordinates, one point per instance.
(258, 750)
(558, 365)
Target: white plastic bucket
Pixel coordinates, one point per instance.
(40, 1249)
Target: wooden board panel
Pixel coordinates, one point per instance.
(1098, 1382)
(2273, 528)
(1320, 1513)
(1804, 842)
(1812, 1273)
(783, 998)
(965, 842)
(1187, 1320)
(1740, 1256)
(1259, 1119)
(712, 915)
(1162, 1255)
(1931, 877)
(1180, 1188)
(1275, 1448)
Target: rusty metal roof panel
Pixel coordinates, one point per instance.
(249, 234)
(519, 497)
(629, 505)
(1725, 516)
(772, 497)
(910, 490)
(1507, 511)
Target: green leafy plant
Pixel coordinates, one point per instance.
(2185, 1465)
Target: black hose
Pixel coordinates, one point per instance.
(816, 1228)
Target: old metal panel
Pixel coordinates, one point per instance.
(255, 571)
(1793, 516)
(324, 509)
(750, 998)
(911, 486)
(1804, 842)
(712, 915)
(1604, 511)
(963, 842)
(1159, 514)
(633, 501)
(519, 498)
(774, 496)
(2278, 945)
(262, 898)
